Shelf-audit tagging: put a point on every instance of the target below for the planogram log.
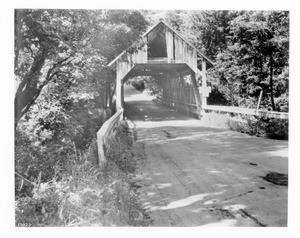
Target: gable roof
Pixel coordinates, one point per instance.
(161, 21)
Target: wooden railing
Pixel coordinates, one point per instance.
(107, 131)
(190, 107)
(247, 111)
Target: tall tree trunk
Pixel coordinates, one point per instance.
(271, 83)
(28, 89)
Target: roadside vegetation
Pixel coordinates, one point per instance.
(138, 83)
(253, 125)
(63, 94)
(250, 51)
(86, 194)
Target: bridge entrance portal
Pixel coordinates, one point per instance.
(164, 54)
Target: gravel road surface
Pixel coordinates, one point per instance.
(195, 175)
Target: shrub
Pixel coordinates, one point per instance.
(277, 129)
(282, 103)
(248, 124)
(39, 210)
(216, 97)
(121, 152)
(138, 84)
(31, 159)
(216, 119)
(262, 127)
(88, 195)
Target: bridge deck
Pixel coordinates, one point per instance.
(194, 175)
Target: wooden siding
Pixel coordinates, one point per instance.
(128, 60)
(123, 68)
(189, 55)
(170, 45)
(139, 57)
(184, 53)
(178, 49)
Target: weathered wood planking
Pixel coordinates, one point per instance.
(138, 57)
(184, 53)
(127, 61)
(105, 132)
(170, 45)
(248, 111)
(178, 49)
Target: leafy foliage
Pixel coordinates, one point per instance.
(120, 151)
(254, 49)
(88, 195)
(250, 50)
(63, 92)
(216, 97)
(213, 29)
(138, 83)
(71, 44)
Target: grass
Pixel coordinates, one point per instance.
(216, 119)
(252, 125)
(88, 195)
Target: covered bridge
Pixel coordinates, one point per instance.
(164, 54)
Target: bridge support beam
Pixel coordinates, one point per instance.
(118, 92)
(204, 85)
(123, 68)
(183, 94)
(196, 94)
(204, 90)
(122, 95)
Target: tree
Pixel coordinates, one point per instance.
(62, 82)
(45, 42)
(51, 43)
(259, 48)
(212, 29)
(251, 51)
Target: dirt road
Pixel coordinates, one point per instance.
(194, 175)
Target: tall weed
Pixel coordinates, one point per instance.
(88, 195)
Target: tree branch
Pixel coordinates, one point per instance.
(25, 179)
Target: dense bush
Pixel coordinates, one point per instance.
(216, 97)
(33, 159)
(138, 83)
(282, 103)
(121, 152)
(263, 127)
(88, 195)
(277, 129)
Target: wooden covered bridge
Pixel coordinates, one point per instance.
(164, 54)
